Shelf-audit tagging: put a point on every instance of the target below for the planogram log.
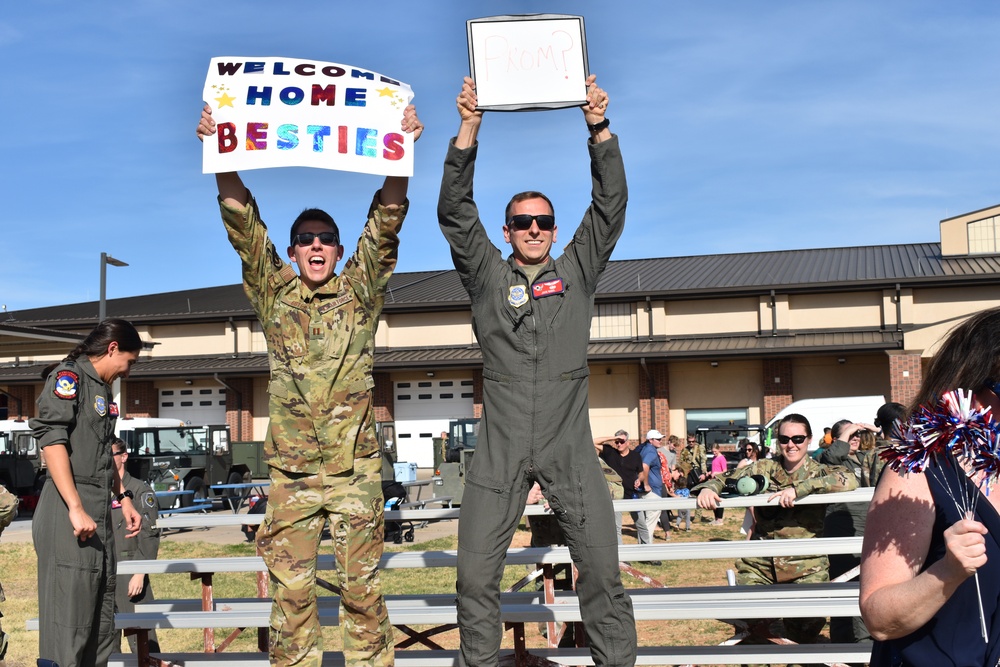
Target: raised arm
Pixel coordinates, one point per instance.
(393, 192)
(467, 102)
(594, 109)
(231, 188)
(896, 597)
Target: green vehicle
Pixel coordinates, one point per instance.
(22, 469)
(453, 458)
(182, 458)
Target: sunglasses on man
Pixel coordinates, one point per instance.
(619, 442)
(797, 439)
(326, 238)
(522, 222)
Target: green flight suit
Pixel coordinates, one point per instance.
(8, 510)
(76, 580)
(144, 546)
(535, 424)
(321, 446)
(773, 522)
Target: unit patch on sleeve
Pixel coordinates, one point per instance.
(113, 409)
(547, 288)
(66, 384)
(101, 405)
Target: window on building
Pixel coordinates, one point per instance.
(983, 235)
(611, 320)
(716, 417)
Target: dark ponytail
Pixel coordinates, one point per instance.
(107, 332)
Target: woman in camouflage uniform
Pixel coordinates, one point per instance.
(792, 475)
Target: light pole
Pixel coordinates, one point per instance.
(102, 304)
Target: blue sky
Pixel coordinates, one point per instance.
(745, 125)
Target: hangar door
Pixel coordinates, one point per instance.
(197, 406)
(422, 409)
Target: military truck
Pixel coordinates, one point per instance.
(453, 458)
(178, 457)
(22, 469)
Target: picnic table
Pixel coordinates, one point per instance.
(240, 493)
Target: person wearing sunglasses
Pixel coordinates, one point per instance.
(321, 448)
(793, 474)
(531, 313)
(930, 563)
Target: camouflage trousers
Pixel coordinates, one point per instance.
(786, 570)
(298, 507)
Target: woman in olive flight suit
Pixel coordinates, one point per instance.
(74, 541)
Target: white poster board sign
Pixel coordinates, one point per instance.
(531, 62)
(286, 112)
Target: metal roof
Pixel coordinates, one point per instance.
(661, 278)
(743, 345)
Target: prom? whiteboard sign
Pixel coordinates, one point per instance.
(529, 62)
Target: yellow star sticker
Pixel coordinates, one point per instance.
(385, 92)
(225, 100)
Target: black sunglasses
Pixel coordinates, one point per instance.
(797, 439)
(306, 238)
(522, 222)
(619, 442)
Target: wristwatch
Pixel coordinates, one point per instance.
(122, 496)
(597, 127)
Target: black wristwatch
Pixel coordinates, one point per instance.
(122, 496)
(597, 127)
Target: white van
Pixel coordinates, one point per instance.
(823, 412)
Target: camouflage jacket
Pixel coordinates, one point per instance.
(321, 343)
(776, 522)
(692, 457)
(8, 508)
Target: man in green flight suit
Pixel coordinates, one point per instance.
(8, 510)
(134, 588)
(531, 314)
(321, 447)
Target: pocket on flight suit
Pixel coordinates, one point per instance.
(489, 499)
(77, 585)
(598, 520)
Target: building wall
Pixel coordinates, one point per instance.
(825, 376)
(709, 316)
(425, 329)
(614, 398)
(698, 385)
(835, 311)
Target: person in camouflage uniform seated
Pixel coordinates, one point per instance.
(792, 475)
(321, 448)
(8, 510)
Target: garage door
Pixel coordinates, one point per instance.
(422, 410)
(195, 405)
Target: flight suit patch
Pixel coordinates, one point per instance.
(101, 405)
(66, 385)
(113, 409)
(547, 288)
(517, 296)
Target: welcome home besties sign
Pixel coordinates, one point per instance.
(284, 112)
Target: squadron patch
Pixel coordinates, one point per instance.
(149, 500)
(547, 288)
(113, 409)
(101, 405)
(66, 384)
(517, 296)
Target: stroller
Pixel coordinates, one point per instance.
(395, 495)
